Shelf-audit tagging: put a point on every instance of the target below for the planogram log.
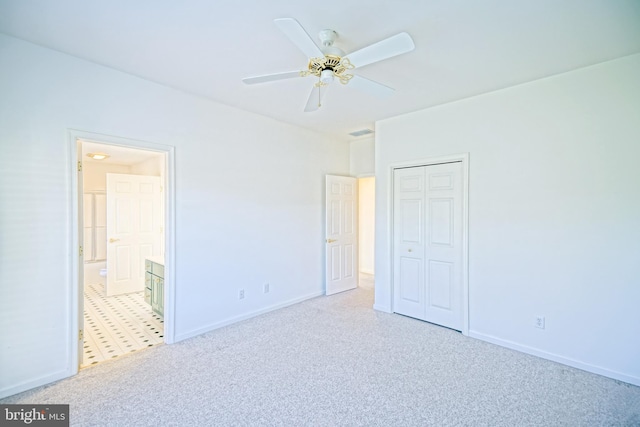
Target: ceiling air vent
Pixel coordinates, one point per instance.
(361, 132)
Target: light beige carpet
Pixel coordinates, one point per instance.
(334, 361)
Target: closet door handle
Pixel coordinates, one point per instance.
(111, 240)
(331, 240)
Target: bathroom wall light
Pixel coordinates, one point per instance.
(98, 156)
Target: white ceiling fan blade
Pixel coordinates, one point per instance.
(271, 77)
(315, 98)
(292, 29)
(387, 48)
(370, 86)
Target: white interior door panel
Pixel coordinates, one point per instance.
(341, 231)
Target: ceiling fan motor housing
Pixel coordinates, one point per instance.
(330, 64)
(325, 68)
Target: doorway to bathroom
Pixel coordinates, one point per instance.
(122, 224)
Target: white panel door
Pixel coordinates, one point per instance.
(443, 258)
(134, 230)
(408, 270)
(428, 243)
(341, 231)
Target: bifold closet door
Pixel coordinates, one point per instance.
(427, 243)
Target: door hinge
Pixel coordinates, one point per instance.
(80, 334)
(81, 251)
(79, 166)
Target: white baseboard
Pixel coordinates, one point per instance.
(36, 382)
(232, 320)
(383, 308)
(556, 358)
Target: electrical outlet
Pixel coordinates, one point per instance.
(266, 288)
(241, 294)
(539, 322)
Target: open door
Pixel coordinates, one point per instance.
(341, 233)
(134, 229)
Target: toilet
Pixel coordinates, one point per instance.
(103, 272)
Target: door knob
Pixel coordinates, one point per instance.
(113, 240)
(410, 250)
(331, 240)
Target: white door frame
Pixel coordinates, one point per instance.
(464, 158)
(77, 267)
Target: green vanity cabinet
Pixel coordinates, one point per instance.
(154, 284)
(147, 283)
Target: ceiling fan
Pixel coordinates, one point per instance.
(329, 63)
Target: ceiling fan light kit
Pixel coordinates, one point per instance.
(328, 66)
(326, 76)
(328, 62)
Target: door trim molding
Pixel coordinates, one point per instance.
(73, 136)
(461, 157)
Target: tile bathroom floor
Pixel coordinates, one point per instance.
(117, 325)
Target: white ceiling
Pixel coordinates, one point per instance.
(205, 47)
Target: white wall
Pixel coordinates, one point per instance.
(362, 157)
(366, 224)
(554, 220)
(95, 174)
(249, 202)
(150, 167)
